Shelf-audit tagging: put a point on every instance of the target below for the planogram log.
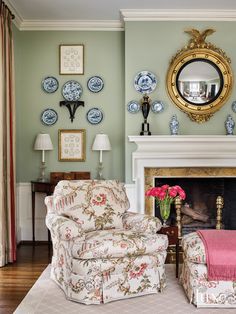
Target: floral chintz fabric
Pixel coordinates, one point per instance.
(102, 252)
(193, 248)
(141, 223)
(93, 204)
(199, 290)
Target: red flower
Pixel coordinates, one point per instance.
(162, 195)
(182, 195)
(165, 187)
(173, 191)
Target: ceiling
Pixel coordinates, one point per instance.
(34, 12)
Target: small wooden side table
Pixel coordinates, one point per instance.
(172, 233)
(39, 187)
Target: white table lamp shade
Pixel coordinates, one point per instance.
(101, 142)
(43, 142)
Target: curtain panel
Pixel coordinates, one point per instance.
(7, 140)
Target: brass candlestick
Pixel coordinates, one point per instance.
(178, 205)
(219, 206)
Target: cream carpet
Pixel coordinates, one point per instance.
(45, 297)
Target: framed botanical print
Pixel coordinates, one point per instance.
(71, 59)
(72, 145)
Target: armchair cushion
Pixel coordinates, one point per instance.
(193, 248)
(119, 243)
(63, 228)
(95, 205)
(141, 223)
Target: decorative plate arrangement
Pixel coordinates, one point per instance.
(72, 90)
(145, 82)
(95, 84)
(234, 106)
(94, 116)
(50, 84)
(157, 106)
(133, 106)
(49, 117)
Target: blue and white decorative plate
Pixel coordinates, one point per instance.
(72, 90)
(49, 117)
(234, 106)
(94, 116)
(50, 84)
(157, 106)
(95, 84)
(133, 106)
(145, 82)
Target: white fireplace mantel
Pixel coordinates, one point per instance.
(179, 151)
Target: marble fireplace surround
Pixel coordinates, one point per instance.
(179, 156)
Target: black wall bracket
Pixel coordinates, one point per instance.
(72, 107)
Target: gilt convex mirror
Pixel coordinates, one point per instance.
(199, 78)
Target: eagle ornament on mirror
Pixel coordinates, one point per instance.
(199, 78)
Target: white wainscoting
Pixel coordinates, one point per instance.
(24, 212)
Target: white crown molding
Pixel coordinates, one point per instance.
(126, 15)
(18, 17)
(178, 15)
(71, 25)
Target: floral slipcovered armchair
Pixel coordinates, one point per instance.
(102, 252)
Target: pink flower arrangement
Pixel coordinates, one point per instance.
(166, 194)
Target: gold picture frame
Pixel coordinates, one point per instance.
(72, 145)
(71, 58)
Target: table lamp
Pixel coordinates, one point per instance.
(101, 143)
(43, 142)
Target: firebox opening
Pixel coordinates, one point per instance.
(199, 208)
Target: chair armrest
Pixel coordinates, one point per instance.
(49, 203)
(63, 227)
(141, 223)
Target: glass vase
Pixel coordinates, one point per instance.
(165, 212)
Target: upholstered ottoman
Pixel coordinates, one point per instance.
(199, 290)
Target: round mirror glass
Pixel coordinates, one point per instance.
(199, 82)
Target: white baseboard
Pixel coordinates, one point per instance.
(24, 212)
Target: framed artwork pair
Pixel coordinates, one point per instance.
(71, 58)
(72, 145)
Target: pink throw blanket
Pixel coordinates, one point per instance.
(220, 247)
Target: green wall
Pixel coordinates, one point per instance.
(150, 46)
(117, 57)
(37, 56)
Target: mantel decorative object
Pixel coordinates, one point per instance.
(199, 78)
(174, 125)
(145, 106)
(229, 125)
(72, 107)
